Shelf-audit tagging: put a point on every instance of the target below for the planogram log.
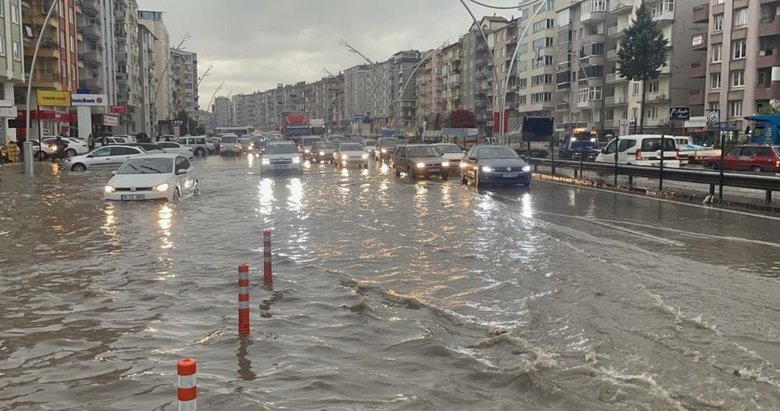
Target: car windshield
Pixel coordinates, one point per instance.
(425, 151)
(368, 143)
(309, 141)
(449, 148)
(488, 153)
(389, 142)
(325, 145)
(777, 150)
(281, 149)
(229, 139)
(350, 147)
(147, 166)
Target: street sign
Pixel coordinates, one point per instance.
(679, 113)
(713, 119)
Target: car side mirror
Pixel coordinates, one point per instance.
(181, 171)
(473, 159)
(113, 173)
(90, 156)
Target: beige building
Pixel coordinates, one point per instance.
(452, 56)
(128, 71)
(163, 96)
(741, 40)
(11, 66)
(429, 84)
(184, 81)
(537, 62)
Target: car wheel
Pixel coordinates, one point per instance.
(445, 176)
(409, 173)
(176, 194)
(397, 172)
(755, 169)
(70, 153)
(463, 179)
(200, 152)
(78, 167)
(40, 155)
(196, 191)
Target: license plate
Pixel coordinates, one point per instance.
(133, 197)
(509, 175)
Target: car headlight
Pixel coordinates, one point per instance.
(322, 153)
(307, 151)
(462, 164)
(487, 169)
(420, 165)
(296, 160)
(527, 168)
(265, 161)
(365, 156)
(110, 189)
(445, 164)
(384, 151)
(161, 188)
(53, 148)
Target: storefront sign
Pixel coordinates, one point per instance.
(119, 109)
(92, 100)
(8, 112)
(111, 121)
(51, 98)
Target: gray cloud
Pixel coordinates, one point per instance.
(255, 44)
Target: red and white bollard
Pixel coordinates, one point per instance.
(267, 276)
(187, 392)
(243, 300)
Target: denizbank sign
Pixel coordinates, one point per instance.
(92, 100)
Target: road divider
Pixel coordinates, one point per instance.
(243, 300)
(267, 275)
(187, 392)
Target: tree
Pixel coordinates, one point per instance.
(642, 52)
(463, 119)
(770, 107)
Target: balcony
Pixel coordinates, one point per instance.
(616, 30)
(612, 55)
(46, 78)
(92, 58)
(698, 70)
(701, 14)
(699, 42)
(663, 17)
(770, 26)
(768, 93)
(613, 78)
(656, 98)
(696, 98)
(94, 85)
(91, 32)
(593, 16)
(654, 122)
(620, 7)
(562, 106)
(589, 105)
(90, 7)
(619, 100)
(768, 58)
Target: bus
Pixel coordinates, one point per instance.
(239, 131)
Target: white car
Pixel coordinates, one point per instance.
(153, 177)
(107, 158)
(350, 153)
(281, 156)
(198, 143)
(641, 150)
(176, 148)
(230, 144)
(452, 153)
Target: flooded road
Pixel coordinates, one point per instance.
(388, 294)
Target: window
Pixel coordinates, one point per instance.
(653, 86)
(637, 89)
(523, 100)
(735, 108)
(716, 53)
(717, 22)
(583, 95)
(668, 5)
(624, 145)
(14, 14)
(738, 78)
(544, 25)
(541, 97)
(102, 152)
(740, 16)
(739, 48)
(714, 107)
(2, 8)
(652, 112)
(17, 51)
(542, 79)
(610, 148)
(2, 46)
(715, 81)
(523, 82)
(595, 93)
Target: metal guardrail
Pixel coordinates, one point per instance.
(768, 184)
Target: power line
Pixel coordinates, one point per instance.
(496, 7)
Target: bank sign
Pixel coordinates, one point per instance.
(92, 100)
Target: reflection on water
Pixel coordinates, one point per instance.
(421, 199)
(250, 161)
(165, 222)
(527, 206)
(265, 194)
(384, 168)
(295, 199)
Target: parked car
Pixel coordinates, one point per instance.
(230, 144)
(281, 156)
(168, 137)
(641, 150)
(153, 177)
(494, 164)
(198, 143)
(419, 160)
(176, 148)
(110, 140)
(323, 151)
(756, 158)
(452, 153)
(148, 147)
(107, 158)
(350, 153)
(384, 148)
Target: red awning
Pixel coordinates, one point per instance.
(48, 115)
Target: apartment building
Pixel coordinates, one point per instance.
(96, 25)
(355, 96)
(128, 71)
(146, 119)
(324, 100)
(429, 83)
(675, 19)
(11, 66)
(402, 89)
(223, 112)
(537, 60)
(452, 56)
(741, 73)
(163, 96)
(477, 76)
(379, 97)
(184, 80)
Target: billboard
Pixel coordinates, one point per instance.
(89, 100)
(53, 98)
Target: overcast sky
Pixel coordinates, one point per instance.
(255, 44)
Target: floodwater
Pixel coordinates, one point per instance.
(388, 294)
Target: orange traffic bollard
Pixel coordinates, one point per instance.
(243, 300)
(187, 392)
(267, 276)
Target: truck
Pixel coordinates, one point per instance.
(764, 130)
(579, 140)
(532, 138)
(295, 125)
(317, 127)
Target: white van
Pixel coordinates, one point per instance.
(642, 150)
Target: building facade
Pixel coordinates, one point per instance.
(96, 24)
(429, 84)
(222, 112)
(403, 89)
(452, 56)
(12, 66)
(146, 117)
(128, 72)
(184, 76)
(163, 96)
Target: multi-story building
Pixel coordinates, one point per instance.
(58, 58)
(147, 114)
(163, 95)
(324, 100)
(96, 25)
(674, 85)
(477, 70)
(403, 90)
(429, 83)
(379, 98)
(128, 72)
(184, 75)
(223, 112)
(536, 61)
(355, 96)
(742, 68)
(452, 57)
(11, 66)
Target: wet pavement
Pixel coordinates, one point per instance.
(388, 294)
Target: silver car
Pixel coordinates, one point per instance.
(107, 158)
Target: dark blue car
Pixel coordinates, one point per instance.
(495, 165)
